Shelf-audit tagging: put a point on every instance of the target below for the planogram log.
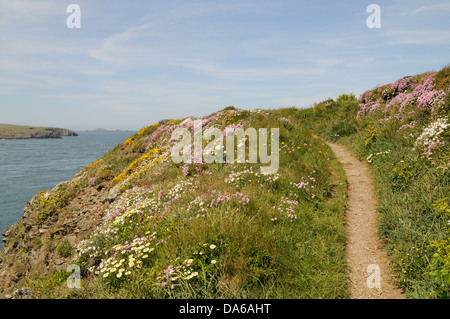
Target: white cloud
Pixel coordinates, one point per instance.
(140, 48)
(430, 9)
(96, 72)
(176, 58)
(256, 73)
(361, 61)
(26, 11)
(76, 96)
(418, 36)
(330, 62)
(126, 109)
(120, 46)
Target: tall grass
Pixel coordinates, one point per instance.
(273, 236)
(409, 180)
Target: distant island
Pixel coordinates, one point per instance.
(9, 131)
(105, 130)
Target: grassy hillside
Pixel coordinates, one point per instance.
(402, 130)
(8, 131)
(157, 229)
(141, 226)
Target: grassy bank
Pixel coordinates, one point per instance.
(198, 230)
(209, 230)
(401, 129)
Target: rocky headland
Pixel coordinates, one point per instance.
(8, 131)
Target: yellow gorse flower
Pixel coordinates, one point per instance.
(95, 163)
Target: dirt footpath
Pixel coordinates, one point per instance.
(370, 276)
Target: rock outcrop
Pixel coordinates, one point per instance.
(44, 238)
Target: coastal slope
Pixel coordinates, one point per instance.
(138, 223)
(238, 230)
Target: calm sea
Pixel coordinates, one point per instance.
(30, 166)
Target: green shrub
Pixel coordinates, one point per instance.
(344, 128)
(402, 173)
(370, 136)
(440, 260)
(442, 79)
(65, 249)
(346, 98)
(261, 267)
(440, 267)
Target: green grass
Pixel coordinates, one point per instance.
(260, 252)
(270, 239)
(408, 184)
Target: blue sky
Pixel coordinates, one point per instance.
(135, 62)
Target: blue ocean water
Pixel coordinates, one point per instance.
(30, 166)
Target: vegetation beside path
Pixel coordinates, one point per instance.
(402, 130)
(140, 225)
